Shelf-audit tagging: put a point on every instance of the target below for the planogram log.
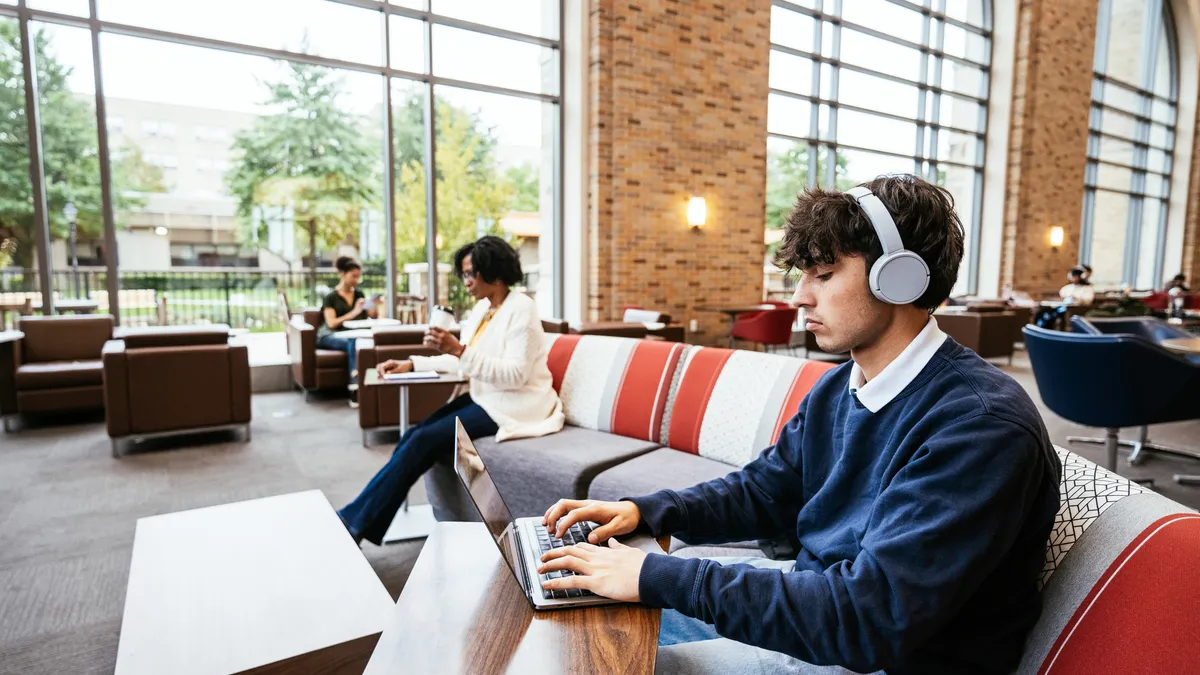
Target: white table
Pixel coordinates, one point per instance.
(248, 587)
(412, 522)
(370, 323)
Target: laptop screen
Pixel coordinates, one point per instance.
(474, 476)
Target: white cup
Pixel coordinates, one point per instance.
(441, 318)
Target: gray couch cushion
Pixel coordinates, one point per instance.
(533, 473)
(663, 469)
(667, 469)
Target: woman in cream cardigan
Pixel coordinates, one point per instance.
(511, 395)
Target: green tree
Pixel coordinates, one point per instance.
(69, 151)
(310, 155)
(787, 176)
(523, 181)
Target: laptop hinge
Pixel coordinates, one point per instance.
(524, 566)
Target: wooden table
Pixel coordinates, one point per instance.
(269, 585)
(411, 522)
(1185, 345)
(733, 312)
(462, 612)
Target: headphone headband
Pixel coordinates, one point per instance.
(881, 219)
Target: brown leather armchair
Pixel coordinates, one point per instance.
(312, 367)
(989, 334)
(175, 380)
(55, 366)
(379, 406)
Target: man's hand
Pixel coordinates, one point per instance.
(616, 518)
(443, 341)
(393, 366)
(612, 571)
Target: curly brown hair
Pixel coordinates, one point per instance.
(826, 225)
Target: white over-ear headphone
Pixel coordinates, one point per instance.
(900, 276)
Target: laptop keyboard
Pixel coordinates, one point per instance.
(576, 534)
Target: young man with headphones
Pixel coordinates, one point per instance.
(917, 481)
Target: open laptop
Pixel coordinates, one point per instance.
(523, 540)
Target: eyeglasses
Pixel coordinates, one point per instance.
(468, 274)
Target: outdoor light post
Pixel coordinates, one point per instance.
(71, 213)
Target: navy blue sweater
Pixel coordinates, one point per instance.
(922, 527)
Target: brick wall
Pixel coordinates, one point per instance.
(678, 107)
(1048, 140)
(1190, 265)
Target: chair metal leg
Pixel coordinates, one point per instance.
(1187, 479)
(247, 432)
(364, 436)
(1141, 447)
(1111, 445)
(8, 424)
(116, 449)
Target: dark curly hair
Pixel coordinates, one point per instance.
(826, 225)
(345, 263)
(493, 259)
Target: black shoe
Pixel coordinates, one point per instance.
(354, 397)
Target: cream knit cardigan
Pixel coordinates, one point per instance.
(507, 367)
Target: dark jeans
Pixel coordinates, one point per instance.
(342, 344)
(370, 514)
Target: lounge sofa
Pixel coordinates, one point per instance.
(56, 366)
(172, 380)
(1119, 585)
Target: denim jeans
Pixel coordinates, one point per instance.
(426, 443)
(691, 647)
(342, 344)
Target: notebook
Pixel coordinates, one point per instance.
(416, 375)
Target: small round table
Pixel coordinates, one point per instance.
(1185, 345)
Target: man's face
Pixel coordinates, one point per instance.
(839, 308)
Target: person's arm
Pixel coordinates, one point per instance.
(334, 321)
(936, 532)
(511, 368)
(760, 501)
(449, 363)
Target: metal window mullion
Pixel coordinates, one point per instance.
(1085, 225)
(1103, 24)
(430, 159)
(814, 111)
(37, 171)
(559, 252)
(923, 65)
(834, 93)
(1160, 240)
(113, 281)
(389, 174)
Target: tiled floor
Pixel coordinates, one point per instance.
(68, 509)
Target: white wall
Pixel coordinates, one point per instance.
(142, 251)
(575, 169)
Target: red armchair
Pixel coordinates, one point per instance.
(770, 328)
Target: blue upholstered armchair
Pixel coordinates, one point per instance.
(1113, 380)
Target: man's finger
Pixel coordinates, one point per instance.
(575, 516)
(555, 553)
(613, 543)
(569, 581)
(560, 508)
(567, 562)
(604, 532)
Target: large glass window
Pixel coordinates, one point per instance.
(248, 147)
(870, 87)
(1130, 143)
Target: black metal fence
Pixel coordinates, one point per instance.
(240, 298)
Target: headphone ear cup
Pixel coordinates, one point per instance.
(900, 278)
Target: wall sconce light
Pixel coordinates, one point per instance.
(1056, 237)
(697, 212)
(160, 231)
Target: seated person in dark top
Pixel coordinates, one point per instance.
(344, 303)
(917, 481)
(1178, 281)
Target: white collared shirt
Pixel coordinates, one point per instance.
(888, 384)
